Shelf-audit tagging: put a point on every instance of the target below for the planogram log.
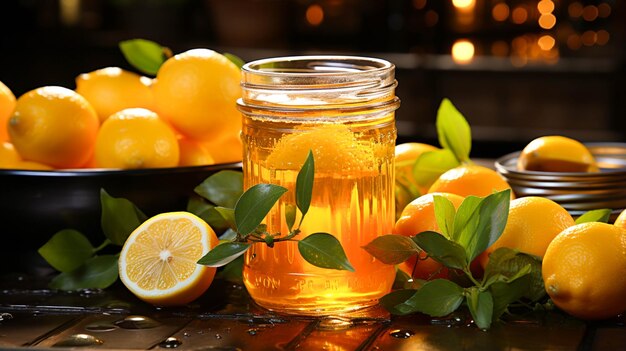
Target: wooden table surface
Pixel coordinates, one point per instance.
(31, 316)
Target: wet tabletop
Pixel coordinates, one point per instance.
(32, 316)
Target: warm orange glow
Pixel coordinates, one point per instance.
(431, 18)
(574, 42)
(463, 51)
(547, 21)
(314, 15)
(575, 9)
(604, 10)
(70, 11)
(519, 15)
(500, 48)
(589, 38)
(545, 6)
(551, 56)
(500, 12)
(419, 4)
(546, 42)
(602, 37)
(590, 13)
(519, 44)
(519, 60)
(464, 4)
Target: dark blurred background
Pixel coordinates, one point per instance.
(516, 69)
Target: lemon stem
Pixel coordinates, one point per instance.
(471, 277)
(104, 244)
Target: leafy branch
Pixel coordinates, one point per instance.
(245, 219)
(455, 138)
(466, 233)
(80, 264)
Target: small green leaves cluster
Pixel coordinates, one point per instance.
(147, 56)
(455, 139)
(80, 264)
(465, 234)
(244, 220)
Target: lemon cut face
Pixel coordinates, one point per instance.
(158, 262)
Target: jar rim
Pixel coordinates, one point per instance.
(319, 65)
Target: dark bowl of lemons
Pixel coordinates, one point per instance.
(35, 204)
(580, 177)
(150, 138)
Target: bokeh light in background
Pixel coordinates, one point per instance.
(463, 51)
(314, 15)
(508, 63)
(424, 26)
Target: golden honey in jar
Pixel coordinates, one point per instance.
(341, 108)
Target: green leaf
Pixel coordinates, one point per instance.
(324, 250)
(224, 253)
(66, 250)
(97, 272)
(234, 59)
(228, 215)
(233, 271)
(392, 249)
(404, 281)
(507, 265)
(207, 212)
(436, 298)
(601, 215)
(487, 224)
(465, 215)
(480, 304)
(269, 240)
(431, 164)
(145, 55)
(504, 293)
(453, 131)
(254, 205)
(290, 216)
(304, 184)
(444, 214)
(222, 188)
(228, 235)
(442, 250)
(119, 218)
(395, 298)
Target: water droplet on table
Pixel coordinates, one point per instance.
(401, 333)
(453, 320)
(137, 322)
(170, 343)
(218, 336)
(90, 292)
(252, 331)
(5, 316)
(79, 340)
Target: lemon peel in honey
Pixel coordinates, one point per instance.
(331, 144)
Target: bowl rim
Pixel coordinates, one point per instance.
(105, 172)
(501, 165)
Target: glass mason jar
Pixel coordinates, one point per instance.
(342, 109)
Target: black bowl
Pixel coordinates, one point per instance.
(36, 204)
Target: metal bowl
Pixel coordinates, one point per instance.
(36, 204)
(577, 192)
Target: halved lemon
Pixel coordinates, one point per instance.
(158, 262)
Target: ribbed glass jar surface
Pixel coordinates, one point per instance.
(342, 109)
